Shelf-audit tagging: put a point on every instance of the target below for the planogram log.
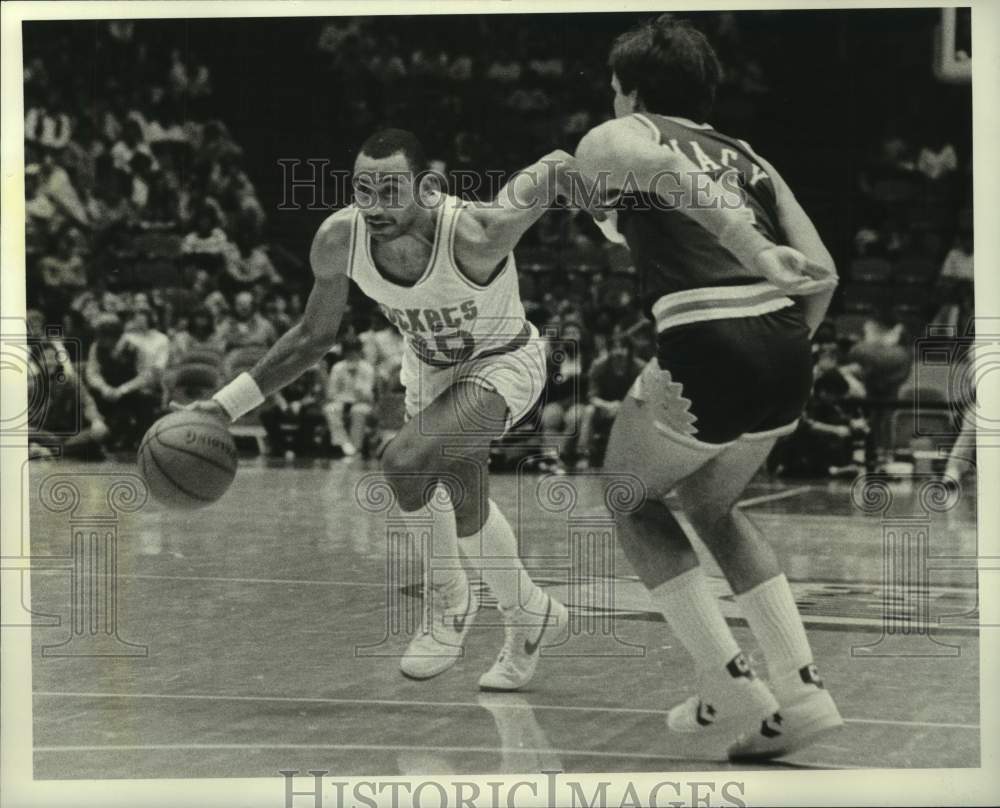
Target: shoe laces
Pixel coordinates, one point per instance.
(441, 600)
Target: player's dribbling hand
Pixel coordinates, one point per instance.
(208, 406)
(792, 272)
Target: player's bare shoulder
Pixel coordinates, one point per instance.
(603, 137)
(331, 247)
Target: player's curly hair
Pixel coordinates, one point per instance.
(671, 64)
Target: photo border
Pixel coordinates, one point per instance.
(772, 787)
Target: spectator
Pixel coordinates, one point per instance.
(162, 209)
(41, 335)
(881, 364)
(69, 421)
(200, 335)
(110, 208)
(216, 302)
(131, 143)
(867, 241)
(124, 395)
(164, 126)
(59, 188)
(192, 80)
(936, 164)
(642, 335)
(276, 312)
(48, 128)
(215, 143)
(247, 326)
(151, 344)
(141, 167)
(65, 272)
(460, 69)
(350, 396)
(504, 69)
(207, 238)
(228, 183)
(76, 330)
(955, 284)
(336, 34)
(112, 303)
(41, 214)
(824, 442)
(296, 306)
(958, 264)
(828, 360)
(962, 455)
(381, 344)
(609, 381)
(564, 396)
(294, 417)
(247, 262)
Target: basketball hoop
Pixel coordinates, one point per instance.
(953, 46)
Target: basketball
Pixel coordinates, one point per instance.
(188, 460)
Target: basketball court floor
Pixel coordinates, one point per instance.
(263, 633)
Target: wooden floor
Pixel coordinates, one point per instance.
(269, 643)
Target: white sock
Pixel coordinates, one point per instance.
(774, 619)
(442, 561)
(693, 614)
(493, 551)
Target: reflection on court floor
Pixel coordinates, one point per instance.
(264, 633)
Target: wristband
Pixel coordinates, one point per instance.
(239, 396)
(744, 241)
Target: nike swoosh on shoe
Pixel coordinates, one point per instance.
(531, 647)
(458, 623)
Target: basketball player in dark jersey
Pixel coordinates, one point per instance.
(732, 374)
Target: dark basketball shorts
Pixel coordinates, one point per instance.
(746, 376)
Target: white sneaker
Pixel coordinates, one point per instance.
(729, 703)
(438, 646)
(525, 631)
(807, 713)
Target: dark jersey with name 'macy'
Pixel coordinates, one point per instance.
(670, 250)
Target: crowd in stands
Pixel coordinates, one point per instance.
(911, 268)
(147, 245)
(145, 239)
(910, 209)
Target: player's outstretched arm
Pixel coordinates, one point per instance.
(620, 154)
(305, 343)
(517, 206)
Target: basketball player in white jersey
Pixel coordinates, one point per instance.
(442, 271)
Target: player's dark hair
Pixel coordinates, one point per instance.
(387, 142)
(671, 64)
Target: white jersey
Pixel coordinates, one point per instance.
(445, 318)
